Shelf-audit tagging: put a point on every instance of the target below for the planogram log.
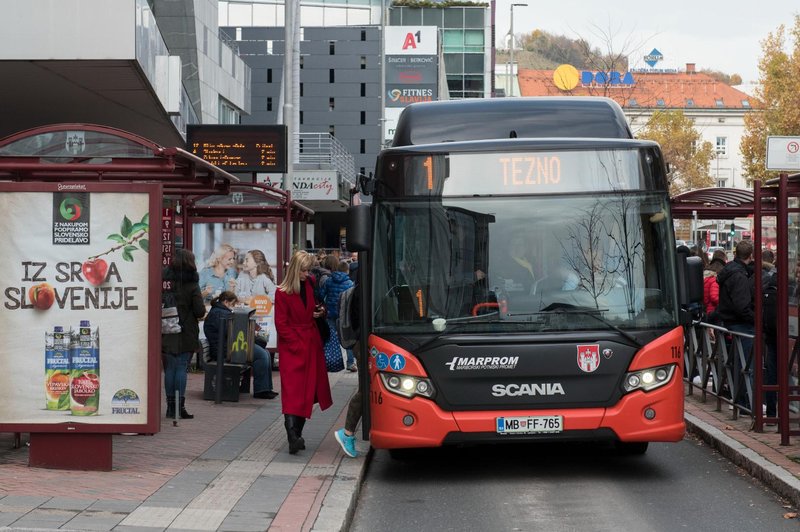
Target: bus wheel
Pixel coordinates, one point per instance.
(631, 448)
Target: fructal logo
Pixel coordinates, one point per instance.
(70, 209)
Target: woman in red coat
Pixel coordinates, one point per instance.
(304, 379)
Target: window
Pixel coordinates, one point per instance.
(301, 90)
(331, 104)
(269, 104)
(363, 89)
(633, 103)
(301, 117)
(660, 102)
(363, 35)
(721, 182)
(689, 102)
(227, 112)
(718, 102)
(362, 170)
(331, 76)
(331, 48)
(269, 75)
(721, 146)
(363, 63)
(301, 62)
(363, 117)
(332, 130)
(746, 103)
(363, 146)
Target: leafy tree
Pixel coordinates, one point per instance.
(778, 108)
(689, 157)
(727, 79)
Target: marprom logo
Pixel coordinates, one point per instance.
(479, 363)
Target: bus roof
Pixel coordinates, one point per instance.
(497, 118)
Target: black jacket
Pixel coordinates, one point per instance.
(190, 305)
(736, 293)
(214, 328)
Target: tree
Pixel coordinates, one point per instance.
(778, 107)
(689, 157)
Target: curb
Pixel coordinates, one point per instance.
(775, 477)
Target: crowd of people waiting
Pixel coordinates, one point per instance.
(308, 294)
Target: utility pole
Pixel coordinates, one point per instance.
(511, 50)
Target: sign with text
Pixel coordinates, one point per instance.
(75, 317)
(783, 153)
(236, 148)
(308, 184)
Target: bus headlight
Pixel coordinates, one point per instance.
(407, 385)
(648, 379)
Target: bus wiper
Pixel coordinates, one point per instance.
(566, 308)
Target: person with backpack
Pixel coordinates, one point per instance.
(330, 292)
(346, 436)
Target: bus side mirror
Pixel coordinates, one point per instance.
(359, 228)
(689, 271)
(366, 184)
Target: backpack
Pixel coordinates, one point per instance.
(769, 302)
(344, 323)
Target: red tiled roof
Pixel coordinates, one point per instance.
(675, 89)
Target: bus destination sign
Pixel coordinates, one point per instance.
(236, 148)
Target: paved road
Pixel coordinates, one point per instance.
(566, 487)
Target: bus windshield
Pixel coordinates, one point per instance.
(524, 262)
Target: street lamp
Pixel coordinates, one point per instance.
(511, 50)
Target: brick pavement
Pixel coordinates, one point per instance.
(228, 469)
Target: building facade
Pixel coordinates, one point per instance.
(716, 109)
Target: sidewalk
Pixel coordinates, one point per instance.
(226, 469)
(229, 469)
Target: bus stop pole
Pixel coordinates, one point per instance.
(782, 329)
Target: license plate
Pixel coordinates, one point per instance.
(530, 424)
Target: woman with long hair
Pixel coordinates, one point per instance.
(219, 273)
(178, 348)
(258, 278)
(304, 380)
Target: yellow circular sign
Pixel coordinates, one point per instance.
(566, 77)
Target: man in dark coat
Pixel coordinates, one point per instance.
(736, 306)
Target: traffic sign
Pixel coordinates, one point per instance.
(783, 153)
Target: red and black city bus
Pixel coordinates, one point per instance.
(520, 279)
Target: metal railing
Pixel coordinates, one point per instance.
(725, 371)
(324, 150)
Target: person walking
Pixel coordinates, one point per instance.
(304, 380)
(338, 282)
(736, 306)
(346, 435)
(215, 326)
(177, 348)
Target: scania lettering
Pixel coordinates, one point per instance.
(520, 280)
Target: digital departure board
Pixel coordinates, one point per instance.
(236, 148)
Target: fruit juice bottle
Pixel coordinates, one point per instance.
(85, 371)
(56, 369)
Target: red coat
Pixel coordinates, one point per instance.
(710, 293)
(304, 379)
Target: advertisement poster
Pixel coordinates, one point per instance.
(74, 294)
(211, 241)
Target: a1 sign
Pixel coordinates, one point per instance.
(783, 153)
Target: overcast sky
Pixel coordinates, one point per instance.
(724, 36)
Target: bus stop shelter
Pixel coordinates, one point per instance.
(778, 198)
(85, 240)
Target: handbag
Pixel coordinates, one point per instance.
(170, 322)
(324, 329)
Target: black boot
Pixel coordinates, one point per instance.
(171, 407)
(300, 422)
(295, 441)
(184, 413)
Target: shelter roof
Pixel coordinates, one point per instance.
(89, 152)
(714, 202)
